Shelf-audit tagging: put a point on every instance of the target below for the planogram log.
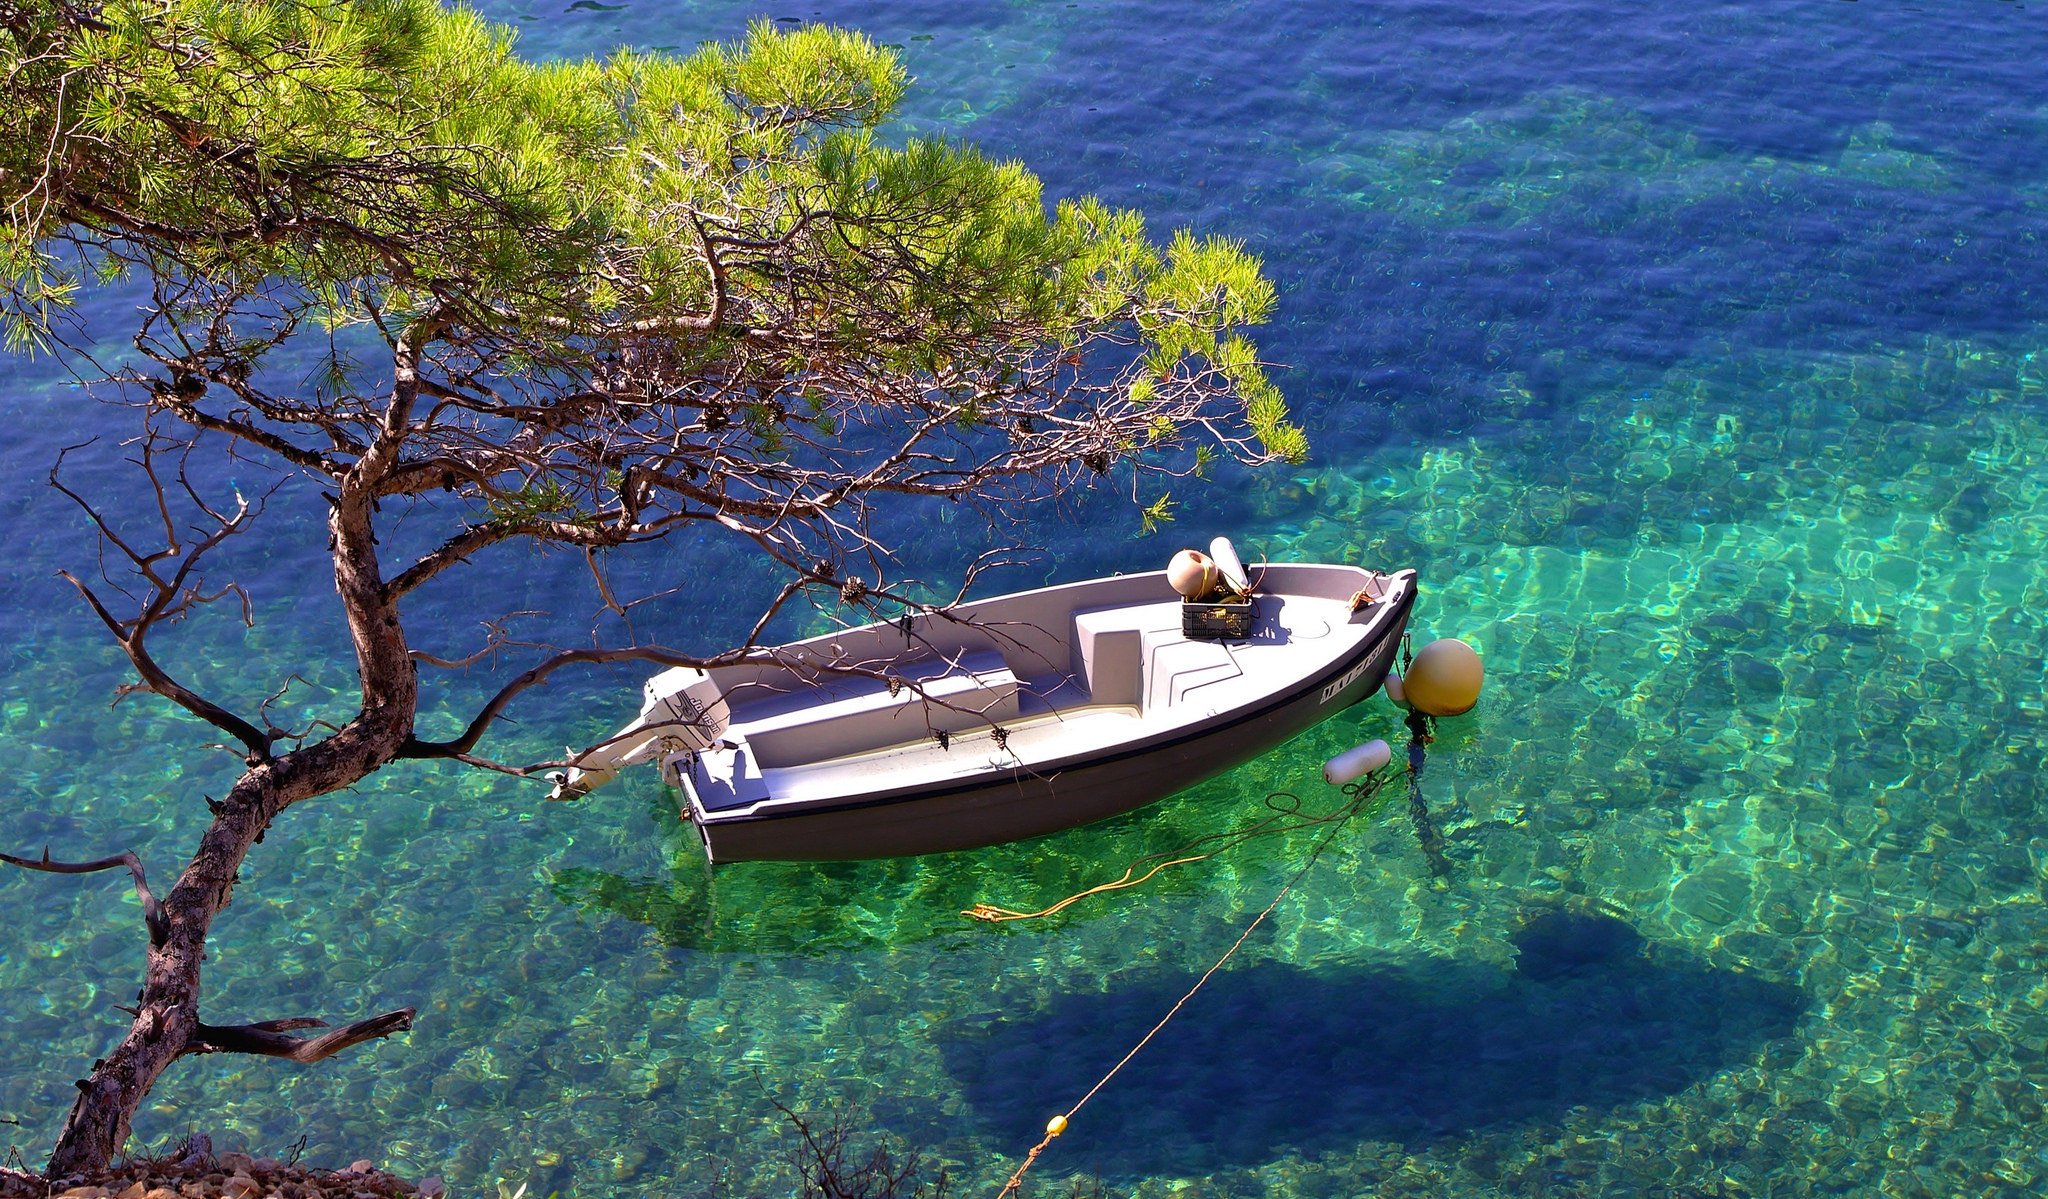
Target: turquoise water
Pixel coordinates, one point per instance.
(1695, 360)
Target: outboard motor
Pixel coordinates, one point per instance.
(683, 710)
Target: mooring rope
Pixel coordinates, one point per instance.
(1358, 793)
(1421, 731)
(1286, 817)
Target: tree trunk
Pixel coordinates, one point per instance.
(167, 1024)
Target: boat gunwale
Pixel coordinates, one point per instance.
(962, 613)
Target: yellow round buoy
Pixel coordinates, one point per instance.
(1444, 679)
(1055, 1126)
(1192, 573)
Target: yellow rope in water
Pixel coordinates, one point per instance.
(996, 915)
(1285, 819)
(1359, 793)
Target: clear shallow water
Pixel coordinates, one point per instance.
(1694, 357)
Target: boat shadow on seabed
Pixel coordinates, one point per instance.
(1273, 1057)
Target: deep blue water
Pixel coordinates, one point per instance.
(1694, 356)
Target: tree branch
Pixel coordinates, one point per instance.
(152, 910)
(457, 746)
(269, 1038)
(462, 547)
(159, 681)
(172, 595)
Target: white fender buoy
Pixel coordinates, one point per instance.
(1395, 690)
(1192, 573)
(1356, 762)
(1227, 561)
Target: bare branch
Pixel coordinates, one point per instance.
(497, 639)
(269, 1037)
(534, 676)
(462, 547)
(152, 911)
(169, 596)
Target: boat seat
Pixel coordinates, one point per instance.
(968, 693)
(1109, 648)
(1137, 655)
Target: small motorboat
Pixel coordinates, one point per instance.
(1004, 718)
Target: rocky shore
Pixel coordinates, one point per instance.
(197, 1173)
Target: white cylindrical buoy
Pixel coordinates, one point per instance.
(1356, 762)
(1445, 677)
(1395, 691)
(1227, 562)
(1192, 573)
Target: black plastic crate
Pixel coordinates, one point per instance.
(1216, 621)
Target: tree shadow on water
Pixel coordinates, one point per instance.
(1273, 1057)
